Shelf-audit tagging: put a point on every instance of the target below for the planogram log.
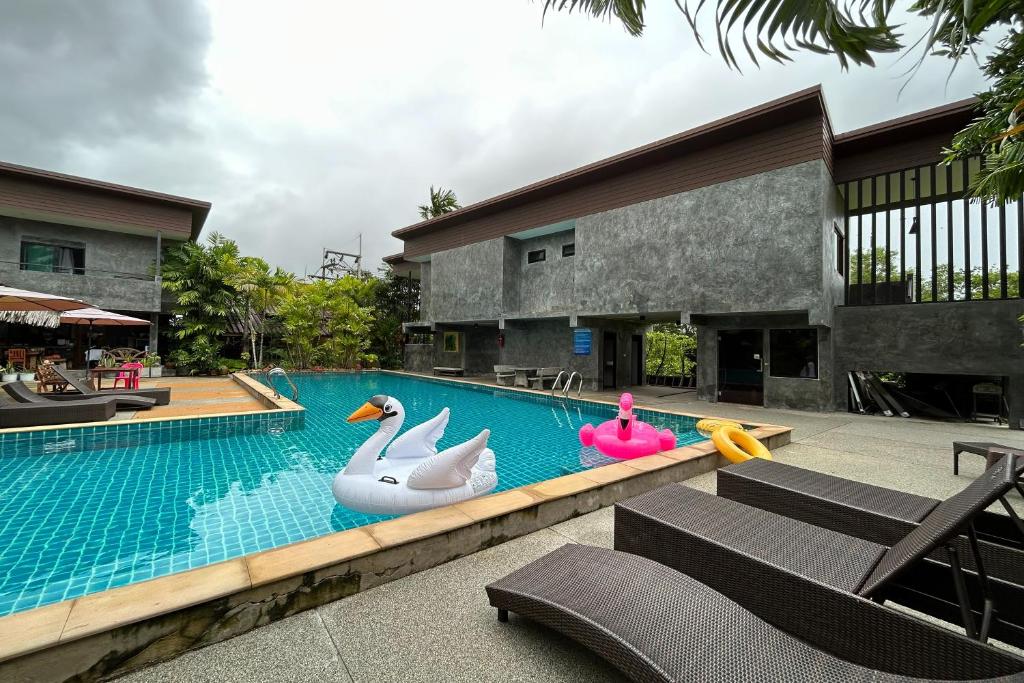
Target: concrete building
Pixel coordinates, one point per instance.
(91, 240)
(745, 228)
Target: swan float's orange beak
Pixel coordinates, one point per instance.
(368, 411)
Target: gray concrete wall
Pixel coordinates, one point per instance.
(779, 392)
(958, 338)
(797, 392)
(742, 245)
(833, 216)
(426, 310)
(965, 337)
(418, 357)
(481, 349)
(465, 282)
(545, 287)
(549, 343)
(117, 265)
(478, 349)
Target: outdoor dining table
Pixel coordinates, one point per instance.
(523, 375)
(96, 375)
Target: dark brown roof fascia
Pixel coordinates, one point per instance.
(805, 102)
(948, 117)
(200, 209)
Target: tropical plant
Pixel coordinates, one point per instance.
(396, 301)
(670, 350)
(442, 201)
(327, 322)
(200, 276)
(886, 261)
(261, 290)
(857, 30)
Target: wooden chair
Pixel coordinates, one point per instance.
(48, 379)
(19, 357)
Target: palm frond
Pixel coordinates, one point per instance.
(852, 31)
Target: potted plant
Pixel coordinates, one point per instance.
(26, 375)
(152, 366)
(9, 373)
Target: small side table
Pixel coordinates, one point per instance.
(976, 447)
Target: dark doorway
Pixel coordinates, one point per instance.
(609, 349)
(740, 366)
(636, 360)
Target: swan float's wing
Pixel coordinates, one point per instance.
(449, 468)
(420, 441)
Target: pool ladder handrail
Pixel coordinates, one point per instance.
(579, 387)
(567, 387)
(277, 371)
(556, 386)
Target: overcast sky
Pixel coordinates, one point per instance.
(306, 123)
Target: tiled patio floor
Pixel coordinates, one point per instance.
(190, 396)
(436, 625)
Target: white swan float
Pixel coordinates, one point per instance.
(412, 476)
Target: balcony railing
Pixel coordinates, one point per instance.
(914, 237)
(95, 272)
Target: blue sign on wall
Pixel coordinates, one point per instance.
(582, 341)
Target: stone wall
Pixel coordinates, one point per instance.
(959, 338)
(741, 245)
(465, 283)
(544, 287)
(418, 357)
(779, 392)
(117, 265)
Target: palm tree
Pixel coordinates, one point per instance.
(200, 278)
(854, 31)
(442, 201)
(261, 289)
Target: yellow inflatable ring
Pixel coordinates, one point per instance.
(708, 425)
(737, 445)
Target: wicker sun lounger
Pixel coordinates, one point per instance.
(798, 576)
(22, 394)
(871, 512)
(54, 413)
(656, 624)
(162, 395)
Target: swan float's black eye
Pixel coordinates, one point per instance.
(387, 408)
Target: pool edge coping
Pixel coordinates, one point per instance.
(49, 627)
(253, 387)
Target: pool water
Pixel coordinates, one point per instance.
(74, 522)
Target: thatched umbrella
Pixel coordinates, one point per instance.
(35, 308)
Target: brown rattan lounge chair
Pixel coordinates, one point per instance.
(162, 395)
(54, 413)
(656, 624)
(873, 513)
(798, 576)
(22, 394)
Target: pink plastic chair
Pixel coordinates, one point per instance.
(130, 378)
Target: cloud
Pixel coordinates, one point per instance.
(84, 75)
(309, 123)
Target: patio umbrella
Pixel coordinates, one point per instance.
(34, 308)
(97, 316)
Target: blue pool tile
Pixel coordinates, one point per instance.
(84, 510)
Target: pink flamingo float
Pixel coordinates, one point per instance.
(626, 437)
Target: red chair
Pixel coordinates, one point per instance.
(130, 378)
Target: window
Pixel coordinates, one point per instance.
(52, 258)
(535, 256)
(794, 353)
(840, 249)
(451, 342)
(568, 249)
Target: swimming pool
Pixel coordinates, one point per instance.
(80, 514)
